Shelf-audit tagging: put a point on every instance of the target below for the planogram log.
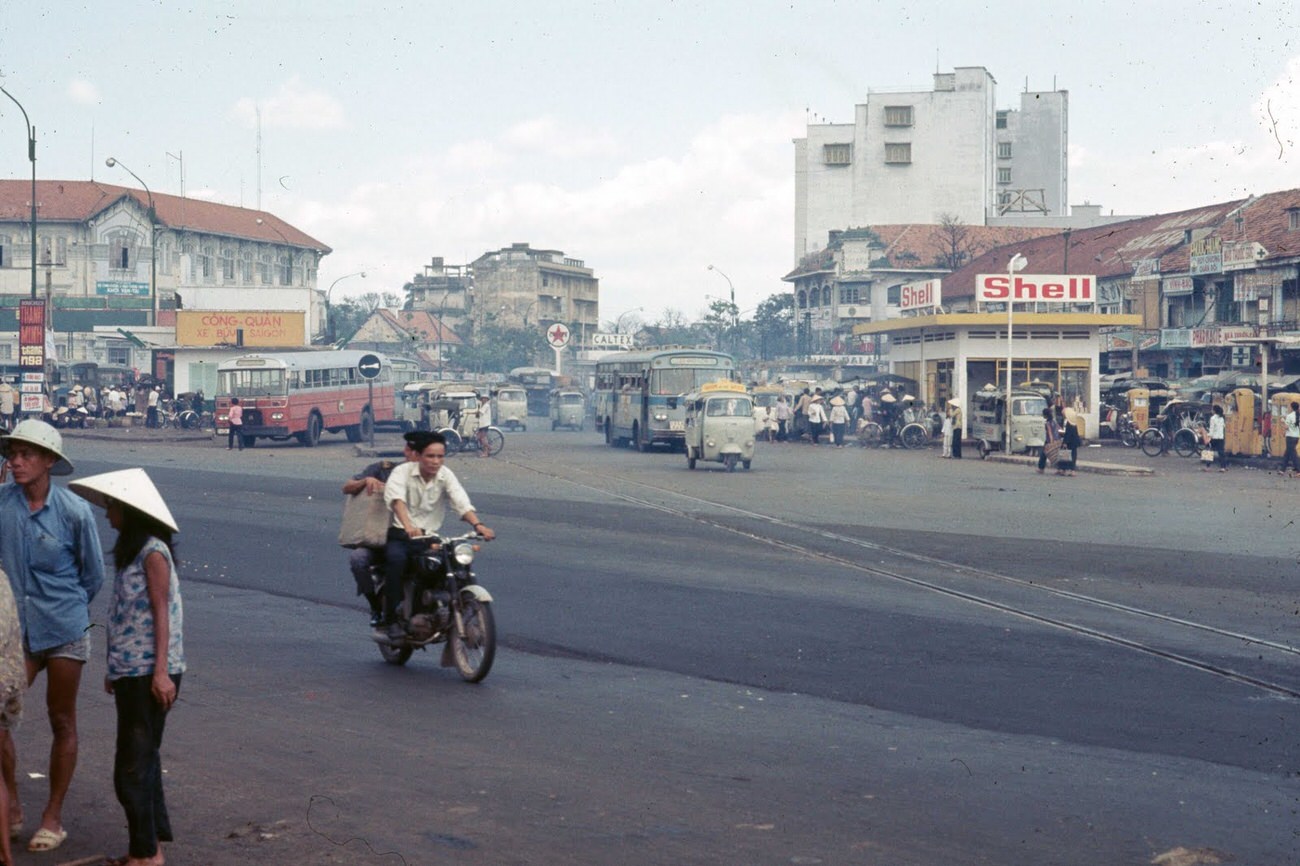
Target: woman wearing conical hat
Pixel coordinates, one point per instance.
(145, 650)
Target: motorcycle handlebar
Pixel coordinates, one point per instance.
(438, 539)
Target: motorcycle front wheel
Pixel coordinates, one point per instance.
(474, 653)
(395, 655)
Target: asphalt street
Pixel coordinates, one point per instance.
(842, 656)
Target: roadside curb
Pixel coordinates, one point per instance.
(1081, 466)
(106, 436)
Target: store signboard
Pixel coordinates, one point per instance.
(260, 328)
(31, 334)
(1177, 285)
(117, 288)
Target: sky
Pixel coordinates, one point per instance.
(649, 139)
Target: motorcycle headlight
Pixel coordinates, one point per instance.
(463, 553)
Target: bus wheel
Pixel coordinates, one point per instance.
(312, 434)
(363, 431)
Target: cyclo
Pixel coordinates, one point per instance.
(719, 425)
(453, 412)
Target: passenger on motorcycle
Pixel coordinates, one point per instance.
(371, 481)
(417, 493)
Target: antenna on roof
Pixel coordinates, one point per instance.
(259, 157)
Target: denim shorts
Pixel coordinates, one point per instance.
(78, 650)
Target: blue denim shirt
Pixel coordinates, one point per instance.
(54, 562)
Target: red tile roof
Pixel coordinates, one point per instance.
(421, 324)
(1112, 250)
(919, 246)
(81, 200)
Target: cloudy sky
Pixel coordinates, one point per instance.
(650, 139)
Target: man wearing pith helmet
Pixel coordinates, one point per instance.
(49, 547)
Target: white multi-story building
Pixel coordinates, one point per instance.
(915, 156)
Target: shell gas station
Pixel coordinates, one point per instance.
(1044, 328)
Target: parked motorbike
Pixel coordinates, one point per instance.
(442, 603)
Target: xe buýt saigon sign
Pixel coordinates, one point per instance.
(260, 328)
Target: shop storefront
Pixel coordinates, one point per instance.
(957, 354)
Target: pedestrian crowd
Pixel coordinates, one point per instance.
(830, 416)
(53, 567)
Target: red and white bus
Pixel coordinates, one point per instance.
(301, 394)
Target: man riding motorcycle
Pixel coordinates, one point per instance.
(417, 493)
(371, 481)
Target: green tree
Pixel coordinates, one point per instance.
(493, 348)
(773, 327)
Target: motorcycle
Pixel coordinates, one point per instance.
(443, 603)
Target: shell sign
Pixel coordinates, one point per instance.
(261, 328)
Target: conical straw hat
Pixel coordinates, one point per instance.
(129, 486)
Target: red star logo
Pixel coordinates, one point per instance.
(559, 334)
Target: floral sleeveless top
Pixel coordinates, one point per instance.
(130, 620)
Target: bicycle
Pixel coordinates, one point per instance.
(1185, 442)
(911, 435)
(496, 440)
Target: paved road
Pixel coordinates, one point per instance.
(839, 657)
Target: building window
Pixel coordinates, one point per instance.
(227, 265)
(205, 264)
(849, 294)
(264, 269)
(4, 251)
(1002, 120)
(286, 270)
(1004, 150)
(119, 356)
(898, 115)
(898, 153)
(119, 254)
(1004, 175)
(826, 296)
(246, 268)
(837, 154)
(1293, 220)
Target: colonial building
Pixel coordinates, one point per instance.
(521, 287)
(116, 264)
(915, 156)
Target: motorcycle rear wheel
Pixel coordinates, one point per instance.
(475, 652)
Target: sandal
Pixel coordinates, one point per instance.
(47, 840)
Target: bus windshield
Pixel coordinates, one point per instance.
(667, 383)
(252, 383)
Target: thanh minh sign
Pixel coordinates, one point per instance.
(1036, 288)
(261, 328)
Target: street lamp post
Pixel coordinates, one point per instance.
(618, 323)
(733, 305)
(153, 242)
(31, 155)
(329, 316)
(1017, 263)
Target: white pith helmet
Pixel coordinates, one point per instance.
(42, 435)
